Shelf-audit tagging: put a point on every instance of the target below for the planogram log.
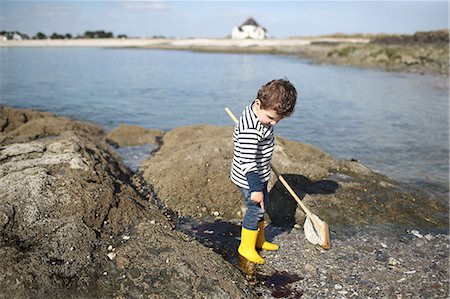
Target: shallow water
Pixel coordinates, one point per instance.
(394, 123)
(134, 156)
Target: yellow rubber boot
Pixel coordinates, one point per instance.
(247, 247)
(261, 240)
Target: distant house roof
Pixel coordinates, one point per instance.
(250, 22)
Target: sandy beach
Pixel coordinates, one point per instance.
(175, 43)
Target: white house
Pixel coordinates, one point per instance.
(249, 29)
(17, 36)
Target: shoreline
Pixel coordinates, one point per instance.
(420, 58)
(178, 42)
(94, 229)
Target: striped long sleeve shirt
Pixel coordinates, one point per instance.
(253, 148)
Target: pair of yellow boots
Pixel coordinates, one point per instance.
(252, 239)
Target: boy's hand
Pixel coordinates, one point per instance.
(258, 197)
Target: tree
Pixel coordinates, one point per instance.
(56, 36)
(40, 35)
(98, 34)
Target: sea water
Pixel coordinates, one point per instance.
(395, 123)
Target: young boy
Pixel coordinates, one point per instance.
(253, 147)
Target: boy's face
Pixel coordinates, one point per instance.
(266, 117)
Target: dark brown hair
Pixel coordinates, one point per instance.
(279, 95)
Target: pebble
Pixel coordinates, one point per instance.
(410, 272)
(337, 287)
(416, 233)
(297, 226)
(126, 237)
(215, 213)
(111, 255)
(309, 268)
(105, 273)
(429, 237)
(392, 262)
(110, 248)
(420, 242)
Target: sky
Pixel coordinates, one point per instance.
(216, 18)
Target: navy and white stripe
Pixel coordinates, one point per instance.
(253, 148)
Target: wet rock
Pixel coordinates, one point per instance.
(168, 268)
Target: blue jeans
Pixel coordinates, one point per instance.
(254, 212)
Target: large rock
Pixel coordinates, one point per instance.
(128, 135)
(64, 200)
(190, 172)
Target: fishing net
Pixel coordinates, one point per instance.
(313, 234)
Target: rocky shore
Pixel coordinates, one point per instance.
(75, 222)
(422, 52)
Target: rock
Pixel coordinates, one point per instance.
(417, 234)
(184, 151)
(189, 149)
(64, 199)
(410, 272)
(392, 262)
(420, 242)
(409, 60)
(128, 135)
(429, 237)
(399, 53)
(310, 269)
(382, 58)
(201, 151)
(167, 268)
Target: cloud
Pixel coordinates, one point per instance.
(59, 10)
(143, 6)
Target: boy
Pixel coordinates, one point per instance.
(253, 147)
